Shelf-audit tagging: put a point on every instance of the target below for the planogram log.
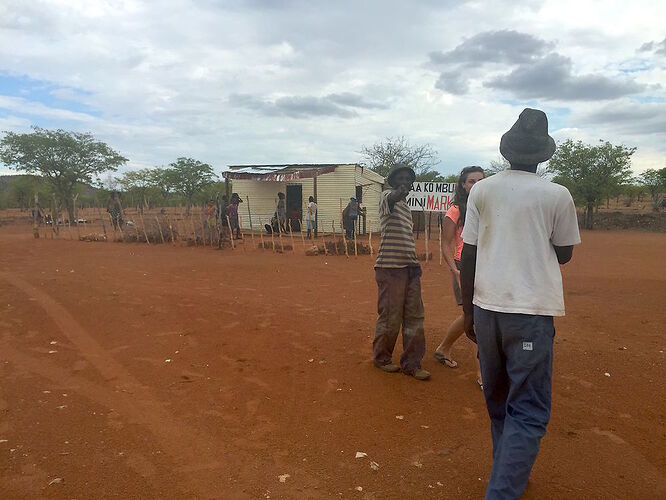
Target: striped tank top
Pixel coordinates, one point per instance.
(397, 246)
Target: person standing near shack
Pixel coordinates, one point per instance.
(232, 212)
(311, 216)
(115, 209)
(281, 212)
(398, 275)
(222, 220)
(350, 216)
(519, 229)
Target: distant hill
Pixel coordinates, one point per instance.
(16, 191)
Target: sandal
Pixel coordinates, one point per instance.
(445, 361)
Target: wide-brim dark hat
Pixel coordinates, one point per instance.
(528, 142)
(397, 168)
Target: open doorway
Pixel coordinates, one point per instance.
(295, 205)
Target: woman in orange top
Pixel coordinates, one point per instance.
(453, 243)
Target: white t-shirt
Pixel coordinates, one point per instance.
(312, 210)
(514, 218)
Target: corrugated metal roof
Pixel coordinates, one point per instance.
(286, 172)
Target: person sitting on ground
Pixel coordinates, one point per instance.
(518, 230)
(398, 275)
(454, 221)
(311, 216)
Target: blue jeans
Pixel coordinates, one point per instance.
(516, 356)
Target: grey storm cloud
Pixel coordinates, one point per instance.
(551, 77)
(533, 70)
(341, 105)
(505, 46)
(629, 117)
(658, 48)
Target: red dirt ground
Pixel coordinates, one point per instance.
(270, 374)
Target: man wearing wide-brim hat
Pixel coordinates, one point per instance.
(398, 275)
(519, 229)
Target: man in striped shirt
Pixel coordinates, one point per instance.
(398, 275)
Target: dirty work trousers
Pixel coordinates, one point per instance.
(399, 304)
(516, 356)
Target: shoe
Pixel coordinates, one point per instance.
(419, 374)
(389, 368)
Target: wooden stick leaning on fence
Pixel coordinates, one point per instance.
(323, 240)
(159, 226)
(168, 221)
(194, 229)
(425, 230)
(261, 232)
(240, 226)
(335, 240)
(143, 223)
(249, 215)
(231, 233)
(291, 234)
(344, 233)
(76, 218)
(273, 238)
(99, 211)
(280, 235)
(440, 241)
(203, 229)
(302, 237)
(370, 239)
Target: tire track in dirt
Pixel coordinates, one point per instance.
(193, 452)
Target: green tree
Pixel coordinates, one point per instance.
(164, 181)
(191, 177)
(381, 156)
(655, 182)
(591, 172)
(62, 158)
(138, 182)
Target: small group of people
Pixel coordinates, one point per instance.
(511, 232)
(223, 215)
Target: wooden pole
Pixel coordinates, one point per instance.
(302, 237)
(316, 225)
(344, 233)
(425, 230)
(203, 229)
(83, 211)
(159, 226)
(249, 215)
(231, 234)
(168, 219)
(194, 230)
(143, 223)
(240, 226)
(279, 224)
(440, 241)
(335, 239)
(76, 217)
(261, 232)
(273, 237)
(106, 237)
(370, 240)
(291, 234)
(323, 240)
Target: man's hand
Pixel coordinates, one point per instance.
(469, 326)
(397, 194)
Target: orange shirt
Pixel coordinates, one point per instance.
(453, 213)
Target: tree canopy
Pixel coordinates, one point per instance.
(591, 172)
(382, 155)
(190, 177)
(655, 182)
(63, 158)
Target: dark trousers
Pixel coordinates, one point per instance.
(399, 304)
(516, 356)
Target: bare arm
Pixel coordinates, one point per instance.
(449, 238)
(467, 276)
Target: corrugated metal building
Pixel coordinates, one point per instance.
(328, 183)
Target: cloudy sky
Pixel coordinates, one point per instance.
(295, 81)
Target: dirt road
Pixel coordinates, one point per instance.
(140, 371)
